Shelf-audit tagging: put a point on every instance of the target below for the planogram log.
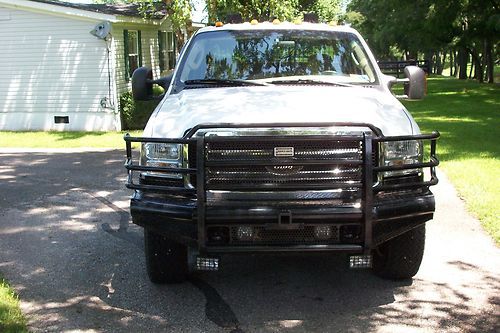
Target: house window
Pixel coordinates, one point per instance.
(166, 43)
(133, 52)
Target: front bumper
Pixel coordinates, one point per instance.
(178, 220)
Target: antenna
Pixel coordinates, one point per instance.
(101, 30)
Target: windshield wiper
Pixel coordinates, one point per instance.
(223, 82)
(311, 82)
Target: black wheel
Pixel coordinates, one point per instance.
(166, 261)
(400, 257)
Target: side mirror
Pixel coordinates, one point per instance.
(414, 84)
(142, 83)
(415, 87)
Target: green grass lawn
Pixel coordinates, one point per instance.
(468, 116)
(63, 139)
(465, 112)
(11, 318)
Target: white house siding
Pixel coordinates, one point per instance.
(52, 66)
(150, 50)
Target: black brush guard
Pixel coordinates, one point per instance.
(371, 139)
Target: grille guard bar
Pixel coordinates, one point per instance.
(199, 141)
(431, 164)
(371, 139)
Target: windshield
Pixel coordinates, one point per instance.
(277, 55)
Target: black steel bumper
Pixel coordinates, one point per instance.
(391, 217)
(181, 213)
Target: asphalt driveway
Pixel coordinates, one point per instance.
(69, 249)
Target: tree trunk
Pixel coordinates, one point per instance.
(490, 66)
(439, 63)
(476, 61)
(484, 60)
(452, 63)
(463, 59)
(430, 62)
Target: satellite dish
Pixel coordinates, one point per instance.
(101, 30)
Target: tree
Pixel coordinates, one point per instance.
(432, 28)
(218, 10)
(327, 10)
(179, 12)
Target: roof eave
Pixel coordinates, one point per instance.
(138, 20)
(57, 10)
(79, 13)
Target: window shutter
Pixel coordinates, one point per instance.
(139, 42)
(125, 55)
(161, 60)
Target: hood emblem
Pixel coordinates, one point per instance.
(284, 152)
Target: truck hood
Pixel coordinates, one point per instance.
(279, 104)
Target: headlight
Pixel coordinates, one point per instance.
(165, 155)
(397, 153)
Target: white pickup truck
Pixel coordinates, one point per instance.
(280, 137)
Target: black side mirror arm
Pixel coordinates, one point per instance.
(142, 84)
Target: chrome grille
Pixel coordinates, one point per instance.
(234, 150)
(251, 164)
(282, 174)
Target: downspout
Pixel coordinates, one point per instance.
(112, 85)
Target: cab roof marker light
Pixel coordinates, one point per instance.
(297, 21)
(276, 21)
(254, 22)
(219, 24)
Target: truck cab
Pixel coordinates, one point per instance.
(280, 137)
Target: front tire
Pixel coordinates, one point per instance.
(166, 260)
(400, 257)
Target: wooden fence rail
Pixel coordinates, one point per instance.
(396, 68)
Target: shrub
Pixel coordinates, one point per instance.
(135, 114)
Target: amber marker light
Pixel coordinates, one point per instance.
(219, 24)
(254, 22)
(276, 21)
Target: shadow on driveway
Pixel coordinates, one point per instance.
(69, 249)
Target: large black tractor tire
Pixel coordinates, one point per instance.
(166, 261)
(400, 257)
